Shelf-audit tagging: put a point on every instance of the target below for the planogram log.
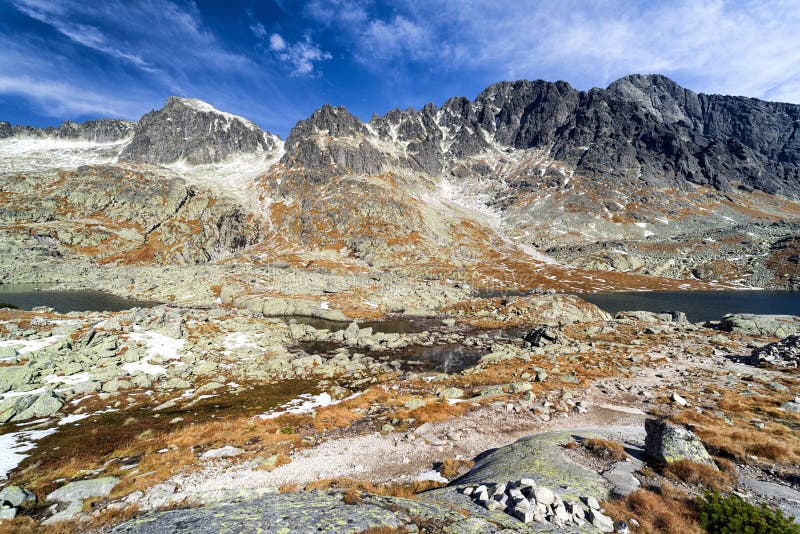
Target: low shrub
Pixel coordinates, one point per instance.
(733, 515)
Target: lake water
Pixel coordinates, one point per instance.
(700, 305)
(27, 296)
(387, 326)
(449, 358)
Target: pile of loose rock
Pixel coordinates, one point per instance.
(526, 501)
(784, 353)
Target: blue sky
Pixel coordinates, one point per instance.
(275, 61)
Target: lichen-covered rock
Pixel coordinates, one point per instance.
(761, 325)
(540, 457)
(23, 407)
(297, 513)
(667, 443)
(784, 353)
(16, 496)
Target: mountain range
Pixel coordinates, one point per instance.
(643, 184)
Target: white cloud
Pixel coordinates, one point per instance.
(398, 37)
(749, 47)
(300, 56)
(258, 29)
(166, 42)
(276, 43)
(53, 15)
(57, 98)
(352, 12)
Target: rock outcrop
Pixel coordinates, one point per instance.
(641, 127)
(667, 443)
(784, 353)
(100, 131)
(189, 130)
(761, 325)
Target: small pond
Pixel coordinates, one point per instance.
(449, 358)
(700, 305)
(28, 296)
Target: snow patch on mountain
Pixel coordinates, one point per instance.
(31, 154)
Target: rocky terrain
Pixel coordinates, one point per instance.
(372, 326)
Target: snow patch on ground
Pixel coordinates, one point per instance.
(431, 475)
(158, 345)
(14, 446)
(305, 403)
(233, 177)
(70, 380)
(24, 346)
(237, 340)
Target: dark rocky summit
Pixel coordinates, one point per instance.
(193, 131)
(100, 131)
(641, 128)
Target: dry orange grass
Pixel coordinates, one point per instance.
(100, 522)
(450, 468)
(605, 448)
(697, 474)
(669, 511)
(407, 490)
(776, 442)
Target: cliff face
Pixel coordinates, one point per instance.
(644, 128)
(100, 131)
(190, 130)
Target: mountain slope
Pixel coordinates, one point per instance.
(530, 184)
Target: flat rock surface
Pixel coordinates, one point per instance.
(294, 513)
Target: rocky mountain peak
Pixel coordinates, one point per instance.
(99, 131)
(190, 130)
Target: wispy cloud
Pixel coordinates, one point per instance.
(123, 58)
(54, 14)
(300, 56)
(742, 47)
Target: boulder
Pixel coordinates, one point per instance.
(16, 496)
(761, 325)
(667, 443)
(784, 353)
(71, 496)
(539, 337)
(227, 451)
(24, 407)
(83, 489)
(451, 393)
(15, 376)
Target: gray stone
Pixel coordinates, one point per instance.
(451, 393)
(600, 521)
(413, 404)
(784, 353)
(227, 451)
(298, 513)
(667, 443)
(14, 376)
(761, 325)
(83, 489)
(16, 496)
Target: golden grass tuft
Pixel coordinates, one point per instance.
(100, 522)
(407, 490)
(605, 448)
(669, 511)
(450, 468)
(697, 474)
